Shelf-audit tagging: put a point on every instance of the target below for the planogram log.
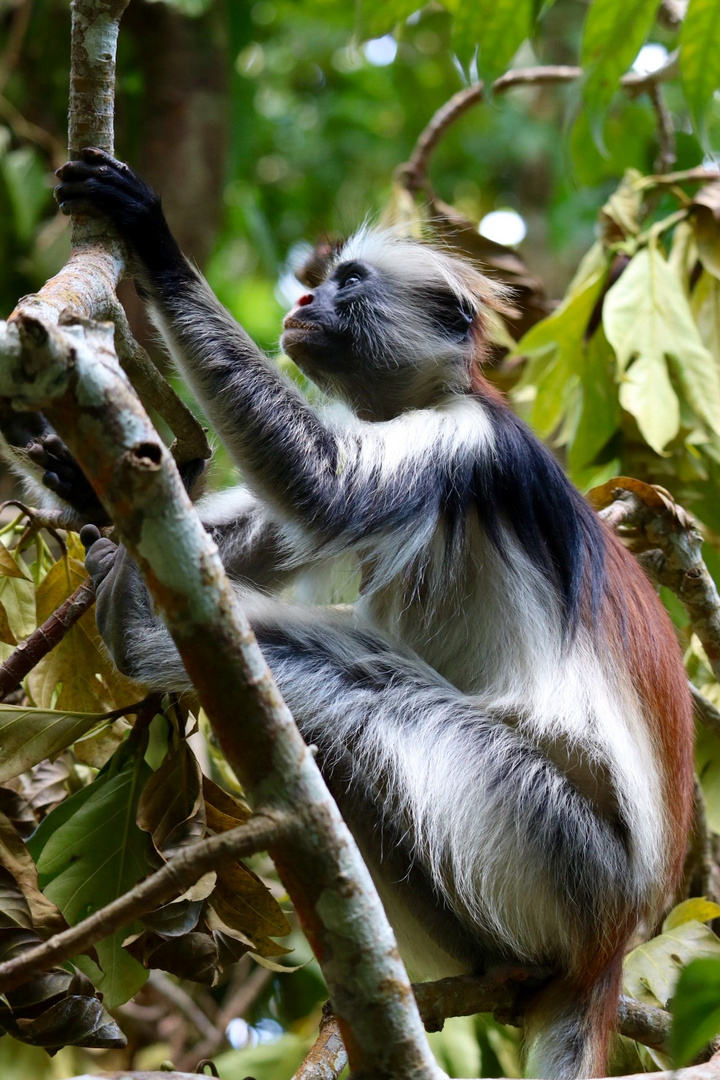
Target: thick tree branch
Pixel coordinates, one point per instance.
(264, 829)
(72, 374)
(31, 651)
(466, 995)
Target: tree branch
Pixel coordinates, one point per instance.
(265, 829)
(466, 995)
(156, 392)
(31, 651)
(71, 373)
(413, 174)
(668, 543)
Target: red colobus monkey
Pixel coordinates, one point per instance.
(503, 714)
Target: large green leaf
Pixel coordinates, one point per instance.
(647, 394)
(600, 415)
(648, 321)
(614, 33)
(700, 57)
(555, 350)
(93, 853)
(28, 736)
(497, 27)
(696, 1010)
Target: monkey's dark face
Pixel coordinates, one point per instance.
(321, 331)
(364, 330)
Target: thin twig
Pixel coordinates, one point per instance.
(237, 1005)
(698, 870)
(413, 174)
(43, 639)
(156, 393)
(667, 155)
(264, 829)
(184, 1004)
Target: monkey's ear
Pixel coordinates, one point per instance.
(318, 263)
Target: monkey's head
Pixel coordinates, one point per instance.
(394, 324)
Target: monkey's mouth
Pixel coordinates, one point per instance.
(297, 324)
(297, 332)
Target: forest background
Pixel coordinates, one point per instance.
(595, 193)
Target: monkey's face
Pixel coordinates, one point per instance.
(321, 331)
(378, 340)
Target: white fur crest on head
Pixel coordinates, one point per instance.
(417, 262)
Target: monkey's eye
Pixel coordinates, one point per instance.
(350, 275)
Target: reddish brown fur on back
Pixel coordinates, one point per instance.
(646, 638)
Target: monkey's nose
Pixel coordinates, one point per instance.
(305, 300)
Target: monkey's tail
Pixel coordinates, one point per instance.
(568, 1026)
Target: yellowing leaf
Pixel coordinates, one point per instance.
(79, 665)
(698, 909)
(6, 635)
(651, 971)
(8, 565)
(17, 596)
(171, 807)
(28, 736)
(646, 316)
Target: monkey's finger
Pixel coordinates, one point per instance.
(88, 535)
(55, 446)
(36, 452)
(100, 559)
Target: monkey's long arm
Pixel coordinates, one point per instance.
(340, 488)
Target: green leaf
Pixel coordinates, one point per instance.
(698, 908)
(28, 736)
(651, 971)
(456, 1047)
(17, 596)
(555, 347)
(705, 306)
(95, 854)
(171, 806)
(696, 1010)
(700, 57)
(497, 27)
(647, 394)
(24, 175)
(647, 316)
(374, 19)
(614, 33)
(707, 763)
(600, 414)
